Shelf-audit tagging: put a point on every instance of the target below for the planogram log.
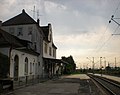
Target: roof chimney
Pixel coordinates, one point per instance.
(49, 25)
(23, 11)
(38, 21)
(0, 23)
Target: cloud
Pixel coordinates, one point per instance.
(53, 7)
(78, 25)
(10, 8)
(5, 6)
(83, 45)
(73, 17)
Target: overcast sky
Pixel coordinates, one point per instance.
(81, 28)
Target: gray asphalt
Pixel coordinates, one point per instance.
(66, 85)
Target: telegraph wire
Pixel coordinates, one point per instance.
(116, 8)
(101, 38)
(105, 32)
(94, 52)
(107, 40)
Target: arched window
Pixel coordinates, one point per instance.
(36, 68)
(26, 65)
(16, 67)
(33, 69)
(30, 67)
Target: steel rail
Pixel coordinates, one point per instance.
(110, 81)
(103, 81)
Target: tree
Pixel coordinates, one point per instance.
(71, 66)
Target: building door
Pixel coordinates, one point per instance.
(26, 66)
(16, 67)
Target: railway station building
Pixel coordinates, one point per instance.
(29, 47)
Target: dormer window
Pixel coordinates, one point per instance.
(20, 31)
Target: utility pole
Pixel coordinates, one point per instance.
(93, 65)
(113, 19)
(115, 62)
(35, 12)
(101, 65)
(105, 64)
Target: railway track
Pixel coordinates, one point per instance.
(109, 86)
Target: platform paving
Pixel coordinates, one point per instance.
(115, 78)
(66, 85)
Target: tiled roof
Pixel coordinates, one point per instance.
(54, 45)
(20, 19)
(55, 60)
(45, 30)
(6, 39)
(30, 51)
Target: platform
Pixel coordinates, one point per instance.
(110, 77)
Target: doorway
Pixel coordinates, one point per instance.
(16, 67)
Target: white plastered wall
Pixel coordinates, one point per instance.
(22, 55)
